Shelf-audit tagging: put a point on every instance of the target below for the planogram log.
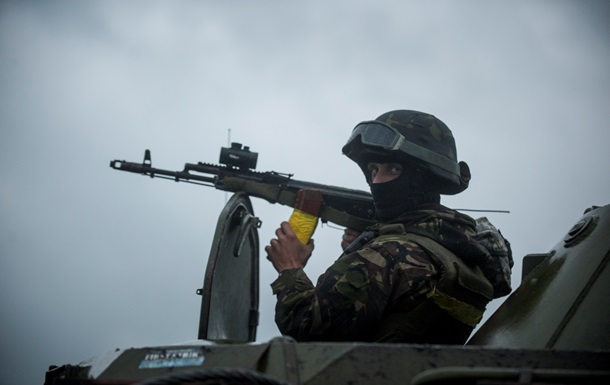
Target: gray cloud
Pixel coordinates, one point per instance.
(92, 259)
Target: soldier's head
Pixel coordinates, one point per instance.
(424, 148)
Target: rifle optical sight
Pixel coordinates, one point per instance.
(239, 157)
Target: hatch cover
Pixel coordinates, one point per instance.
(229, 305)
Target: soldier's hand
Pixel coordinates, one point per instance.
(286, 251)
(349, 235)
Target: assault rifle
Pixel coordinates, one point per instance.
(345, 207)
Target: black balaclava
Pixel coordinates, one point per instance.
(412, 188)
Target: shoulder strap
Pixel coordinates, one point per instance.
(471, 278)
(462, 291)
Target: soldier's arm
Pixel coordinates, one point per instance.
(349, 298)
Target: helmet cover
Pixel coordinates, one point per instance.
(427, 142)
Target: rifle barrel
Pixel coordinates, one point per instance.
(146, 169)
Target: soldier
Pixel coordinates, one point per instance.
(418, 278)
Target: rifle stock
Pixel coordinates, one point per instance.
(345, 207)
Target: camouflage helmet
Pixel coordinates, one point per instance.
(406, 136)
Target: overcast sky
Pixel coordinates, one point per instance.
(93, 259)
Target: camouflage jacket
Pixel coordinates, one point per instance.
(383, 291)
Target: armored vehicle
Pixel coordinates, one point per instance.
(554, 328)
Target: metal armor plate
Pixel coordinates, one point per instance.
(229, 305)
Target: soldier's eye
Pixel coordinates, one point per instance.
(396, 169)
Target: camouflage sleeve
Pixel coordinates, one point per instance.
(353, 294)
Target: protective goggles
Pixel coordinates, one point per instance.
(377, 134)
